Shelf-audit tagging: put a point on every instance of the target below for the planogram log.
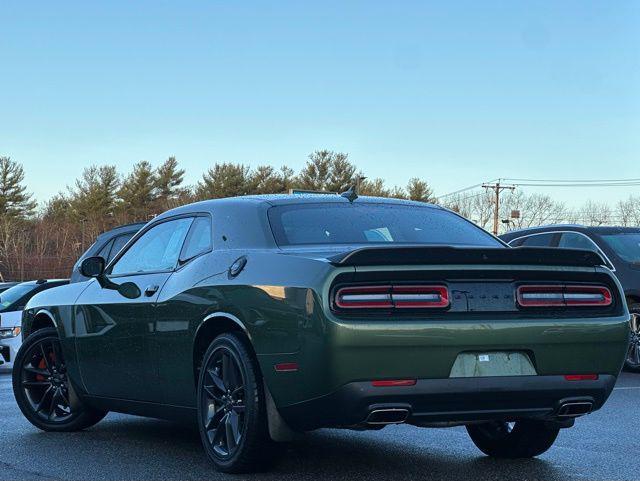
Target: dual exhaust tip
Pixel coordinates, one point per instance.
(380, 417)
(387, 416)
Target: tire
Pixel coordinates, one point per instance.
(42, 388)
(522, 439)
(232, 415)
(632, 361)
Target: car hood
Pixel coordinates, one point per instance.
(10, 319)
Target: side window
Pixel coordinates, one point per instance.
(157, 249)
(574, 240)
(118, 244)
(538, 240)
(198, 240)
(104, 252)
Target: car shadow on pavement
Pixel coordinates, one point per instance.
(125, 447)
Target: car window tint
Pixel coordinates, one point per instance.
(626, 245)
(10, 297)
(199, 238)
(118, 244)
(104, 252)
(574, 240)
(369, 223)
(156, 250)
(538, 240)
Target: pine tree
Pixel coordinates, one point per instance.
(224, 180)
(169, 179)
(138, 191)
(342, 173)
(374, 188)
(419, 190)
(94, 194)
(266, 180)
(15, 202)
(316, 172)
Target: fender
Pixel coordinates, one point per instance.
(225, 315)
(48, 314)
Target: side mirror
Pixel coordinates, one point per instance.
(92, 266)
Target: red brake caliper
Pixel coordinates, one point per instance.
(43, 365)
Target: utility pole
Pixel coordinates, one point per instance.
(497, 188)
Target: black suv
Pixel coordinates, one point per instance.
(620, 248)
(107, 245)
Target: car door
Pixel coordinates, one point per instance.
(180, 308)
(111, 330)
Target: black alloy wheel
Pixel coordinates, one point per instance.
(231, 407)
(45, 382)
(42, 387)
(632, 362)
(224, 393)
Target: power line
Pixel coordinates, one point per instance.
(611, 184)
(570, 180)
(465, 189)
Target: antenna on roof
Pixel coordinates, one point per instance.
(350, 194)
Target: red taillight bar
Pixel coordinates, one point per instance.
(563, 295)
(393, 382)
(392, 296)
(581, 377)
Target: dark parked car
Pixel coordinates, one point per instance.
(262, 316)
(107, 245)
(619, 247)
(7, 285)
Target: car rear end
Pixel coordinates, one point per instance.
(428, 319)
(463, 342)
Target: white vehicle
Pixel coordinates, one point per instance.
(12, 301)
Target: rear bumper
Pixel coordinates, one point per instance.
(450, 400)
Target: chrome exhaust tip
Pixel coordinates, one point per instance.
(387, 416)
(574, 409)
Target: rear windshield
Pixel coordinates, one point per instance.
(305, 224)
(626, 245)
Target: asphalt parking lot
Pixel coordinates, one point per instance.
(604, 445)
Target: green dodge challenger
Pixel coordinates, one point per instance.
(262, 317)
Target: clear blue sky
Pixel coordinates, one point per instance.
(454, 92)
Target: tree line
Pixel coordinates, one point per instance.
(44, 241)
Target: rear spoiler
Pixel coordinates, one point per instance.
(402, 255)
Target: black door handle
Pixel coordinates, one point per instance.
(151, 290)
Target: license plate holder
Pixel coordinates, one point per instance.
(491, 364)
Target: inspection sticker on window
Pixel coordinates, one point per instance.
(483, 357)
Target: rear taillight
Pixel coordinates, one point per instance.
(563, 296)
(392, 297)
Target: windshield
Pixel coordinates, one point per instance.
(306, 224)
(625, 245)
(10, 296)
